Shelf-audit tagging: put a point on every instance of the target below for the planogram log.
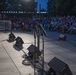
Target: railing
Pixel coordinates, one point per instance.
(5, 25)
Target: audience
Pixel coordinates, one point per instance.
(64, 24)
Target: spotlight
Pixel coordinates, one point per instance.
(62, 37)
(33, 52)
(11, 37)
(19, 42)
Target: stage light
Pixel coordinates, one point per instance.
(11, 37)
(19, 42)
(62, 37)
(33, 52)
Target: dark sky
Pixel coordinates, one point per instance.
(43, 4)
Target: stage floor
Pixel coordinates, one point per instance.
(11, 59)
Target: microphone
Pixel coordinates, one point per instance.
(44, 32)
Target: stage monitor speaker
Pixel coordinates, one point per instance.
(58, 67)
(62, 37)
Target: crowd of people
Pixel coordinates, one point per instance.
(63, 24)
(57, 23)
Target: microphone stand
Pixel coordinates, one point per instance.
(11, 29)
(38, 39)
(38, 45)
(34, 51)
(5, 27)
(43, 53)
(36, 33)
(43, 33)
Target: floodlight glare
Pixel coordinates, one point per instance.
(27, 0)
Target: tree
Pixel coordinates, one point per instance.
(18, 5)
(28, 6)
(3, 5)
(62, 7)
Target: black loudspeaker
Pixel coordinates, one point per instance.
(58, 67)
(62, 37)
(33, 51)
